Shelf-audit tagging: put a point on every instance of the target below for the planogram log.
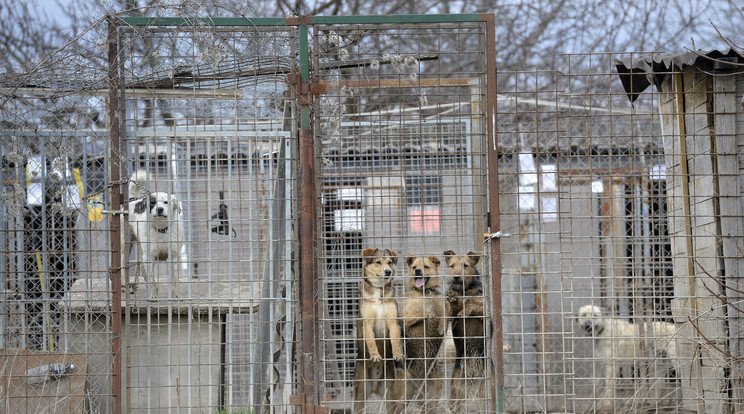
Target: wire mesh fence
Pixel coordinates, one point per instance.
(210, 160)
(52, 239)
(570, 242)
(615, 288)
(200, 221)
(402, 179)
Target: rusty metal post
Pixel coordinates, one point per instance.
(493, 211)
(307, 225)
(115, 220)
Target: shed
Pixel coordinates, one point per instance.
(699, 98)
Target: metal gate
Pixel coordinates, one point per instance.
(207, 136)
(404, 140)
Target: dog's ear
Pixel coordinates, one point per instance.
(474, 257)
(409, 260)
(369, 253)
(448, 254)
(140, 206)
(435, 261)
(392, 254)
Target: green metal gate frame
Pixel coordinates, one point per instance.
(303, 92)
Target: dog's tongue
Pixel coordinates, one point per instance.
(420, 282)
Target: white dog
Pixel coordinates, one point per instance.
(155, 226)
(618, 343)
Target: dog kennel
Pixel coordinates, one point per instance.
(294, 144)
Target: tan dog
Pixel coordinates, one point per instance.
(465, 297)
(378, 329)
(424, 325)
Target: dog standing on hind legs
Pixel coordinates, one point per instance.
(424, 324)
(155, 228)
(465, 297)
(379, 344)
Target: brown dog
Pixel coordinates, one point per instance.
(378, 330)
(424, 324)
(465, 297)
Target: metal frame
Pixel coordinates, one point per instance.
(304, 91)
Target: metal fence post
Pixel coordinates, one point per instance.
(115, 220)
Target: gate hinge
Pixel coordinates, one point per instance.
(305, 90)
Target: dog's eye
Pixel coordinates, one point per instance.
(426, 267)
(466, 266)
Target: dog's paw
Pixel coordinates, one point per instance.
(453, 297)
(397, 356)
(375, 357)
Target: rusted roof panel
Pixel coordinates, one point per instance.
(639, 72)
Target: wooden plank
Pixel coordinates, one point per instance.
(726, 112)
(706, 229)
(682, 83)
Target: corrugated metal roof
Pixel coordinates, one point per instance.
(639, 72)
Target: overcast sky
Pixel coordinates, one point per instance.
(51, 8)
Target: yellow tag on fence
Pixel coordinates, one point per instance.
(95, 208)
(93, 204)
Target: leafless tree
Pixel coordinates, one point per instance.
(530, 35)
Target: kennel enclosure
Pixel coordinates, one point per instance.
(293, 144)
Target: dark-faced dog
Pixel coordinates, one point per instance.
(378, 329)
(465, 297)
(424, 323)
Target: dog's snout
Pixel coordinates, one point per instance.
(587, 326)
(160, 211)
(417, 272)
(388, 272)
